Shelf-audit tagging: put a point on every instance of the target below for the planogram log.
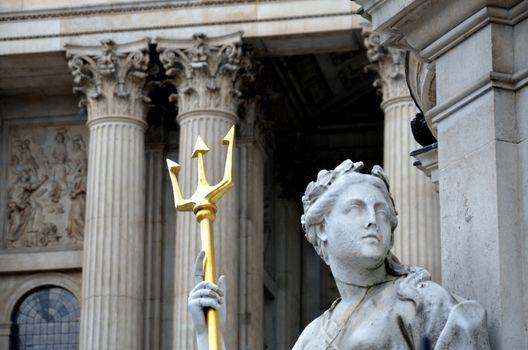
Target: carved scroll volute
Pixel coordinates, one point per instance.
(208, 73)
(110, 77)
(389, 63)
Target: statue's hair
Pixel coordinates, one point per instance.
(320, 196)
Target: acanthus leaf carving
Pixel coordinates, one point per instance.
(208, 73)
(110, 77)
(388, 63)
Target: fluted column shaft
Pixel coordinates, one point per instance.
(208, 74)
(251, 297)
(252, 145)
(111, 79)
(417, 237)
(113, 252)
(155, 169)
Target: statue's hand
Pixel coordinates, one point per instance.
(204, 295)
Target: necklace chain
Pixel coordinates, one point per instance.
(363, 286)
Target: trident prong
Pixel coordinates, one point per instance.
(200, 148)
(174, 168)
(205, 193)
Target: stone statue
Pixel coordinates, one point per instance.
(350, 218)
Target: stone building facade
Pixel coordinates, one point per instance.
(94, 97)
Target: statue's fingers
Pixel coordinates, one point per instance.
(205, 293)
(208, 286)
(198, 286)
(209, 302)
(198, 268)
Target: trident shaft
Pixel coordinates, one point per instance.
(203, 204)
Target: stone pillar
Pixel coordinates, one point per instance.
(481, 118)
(155, 170)
(111, 80)
(208, 74)
(417, 237)
(252, 146)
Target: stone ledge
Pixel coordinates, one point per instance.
(432, 27)
(95, 9)
(40, 261)
(259, 21)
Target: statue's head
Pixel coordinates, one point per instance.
(349, 214)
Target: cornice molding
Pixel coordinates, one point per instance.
(179, 26)
(111, 9)
(509, 82)
(402, 24)
(473, 24)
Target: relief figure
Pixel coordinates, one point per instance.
(25, 160)
(77, 190)
(21, 208)
(58, 170)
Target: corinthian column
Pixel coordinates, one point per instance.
(254, 145)
(111, 79)
(208, 74)
(417, 237)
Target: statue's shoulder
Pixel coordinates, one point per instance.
(311, 337)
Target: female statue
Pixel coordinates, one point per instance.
(350, 218)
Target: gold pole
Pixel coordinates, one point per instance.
(206, 216)
(203, 204)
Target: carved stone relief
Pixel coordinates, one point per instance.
(46, 186)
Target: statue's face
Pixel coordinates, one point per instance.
(358, 227)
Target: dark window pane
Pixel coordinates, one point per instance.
(48, 318)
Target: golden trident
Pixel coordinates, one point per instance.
(203, 204)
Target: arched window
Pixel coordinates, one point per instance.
(47, 318)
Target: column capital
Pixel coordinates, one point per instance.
(111, 78)
(388, 63)
(209, 73)
(258, 110)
